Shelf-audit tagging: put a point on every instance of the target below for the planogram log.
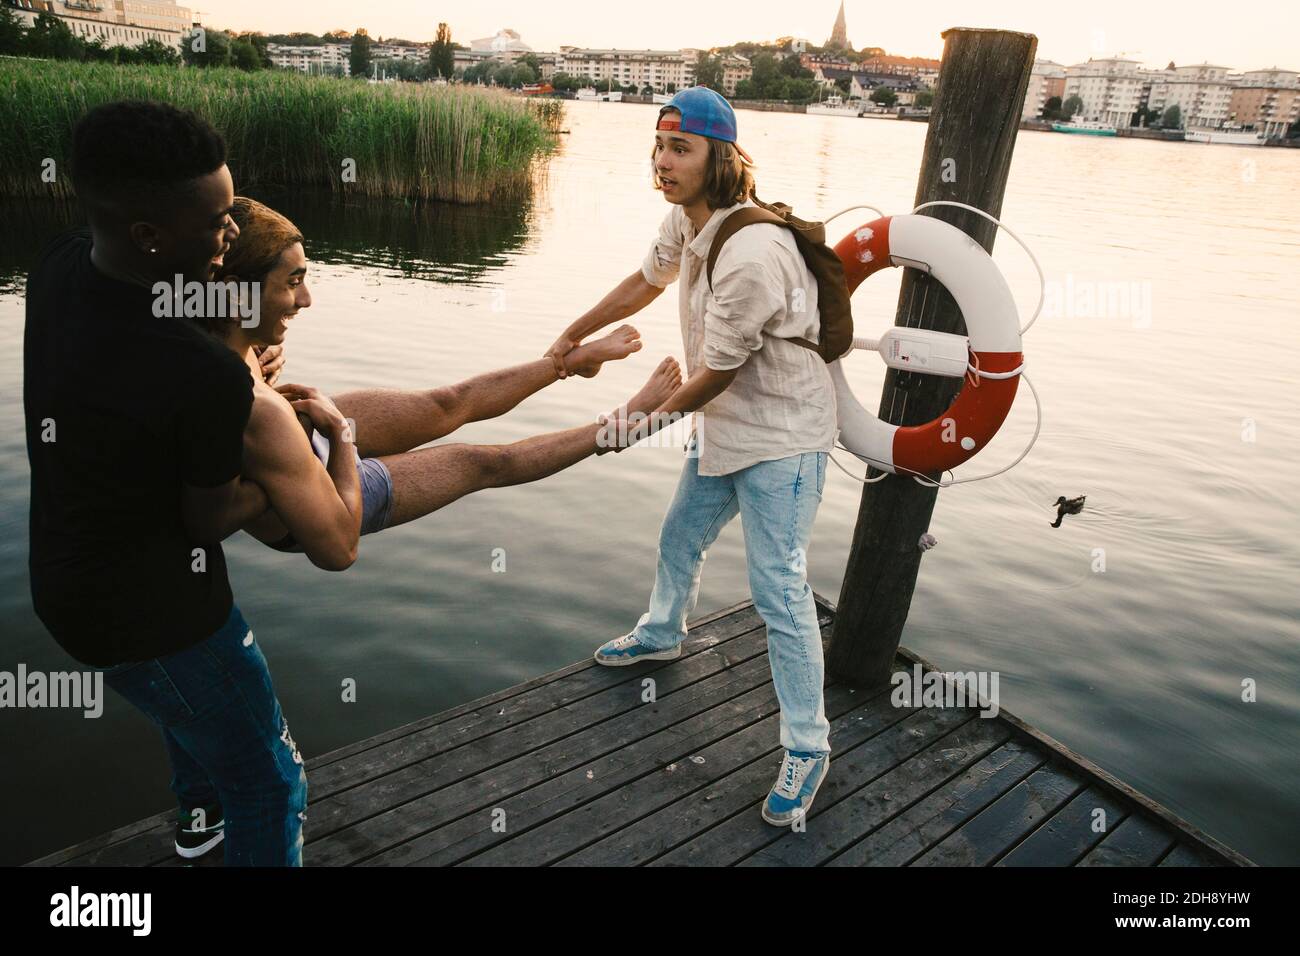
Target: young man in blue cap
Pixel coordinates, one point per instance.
(764, 422)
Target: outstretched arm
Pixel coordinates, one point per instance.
(626, 299)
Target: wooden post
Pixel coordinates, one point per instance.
(973, 123)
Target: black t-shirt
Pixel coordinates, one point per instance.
(136, 406)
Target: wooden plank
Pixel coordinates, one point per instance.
(381, 789)
(463, 783)
(1192, 834)
(587, 685)
(460, 839)
(1186, 854)
(1081, 764)
(1005, 822)
(87, 852)
(1137, 841)
(835, 828)
(643, 797)
(931, 819)
(705, 631)
(1064, 837)
(862, 758)
(694, 642)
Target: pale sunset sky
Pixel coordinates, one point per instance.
(1153, 34)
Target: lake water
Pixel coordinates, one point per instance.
(1174, 412)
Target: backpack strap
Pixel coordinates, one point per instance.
(731, 225)
(734, 223)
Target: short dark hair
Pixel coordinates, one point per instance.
(137, 148)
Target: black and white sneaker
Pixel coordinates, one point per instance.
(199, 830)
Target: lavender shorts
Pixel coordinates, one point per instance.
(376, 485)
(376, 492)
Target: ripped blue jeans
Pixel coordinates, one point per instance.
(227, 741)
(777, 502)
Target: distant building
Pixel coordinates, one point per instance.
(1046, 80)
(115, 22)
(316, 59)
(735, 68)
(1111, 89)
(922, 69)
(1202, 93)
(839, 39)
(505, 46)
(1266, 100)
(336, 58)
(388, 51)
(640, 68)
(862, 84)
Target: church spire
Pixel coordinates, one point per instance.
(839, 33)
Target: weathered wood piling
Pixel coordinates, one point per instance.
(973, 126)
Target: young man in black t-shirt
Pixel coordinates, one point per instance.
(134, 433)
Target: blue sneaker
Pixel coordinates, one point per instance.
(628, 650)
(792, 795)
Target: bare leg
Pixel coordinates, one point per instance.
(389, 421)
(427, 479)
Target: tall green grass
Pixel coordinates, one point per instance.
(453, 143)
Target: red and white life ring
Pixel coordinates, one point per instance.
(993, 339)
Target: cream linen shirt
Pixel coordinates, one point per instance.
(781, 402)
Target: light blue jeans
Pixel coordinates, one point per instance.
(777, 503)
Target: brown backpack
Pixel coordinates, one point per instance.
(836, 335)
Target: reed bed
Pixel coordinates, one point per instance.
(452, 143)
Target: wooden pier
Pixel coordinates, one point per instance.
(577, 767)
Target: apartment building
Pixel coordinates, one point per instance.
(640, 68)
(921, 69)
(332, 58)
(327, 58)
(1046, 79)
(1202, 93)
(734, 69)
(1266, 100)
(115, 22)
(1111, 89)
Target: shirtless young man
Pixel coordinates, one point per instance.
(375, 475)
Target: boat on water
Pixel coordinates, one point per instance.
(835, 106)
(595, 96)
(1231, 137)
(1087, 127)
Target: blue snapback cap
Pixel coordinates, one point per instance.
(704, 112)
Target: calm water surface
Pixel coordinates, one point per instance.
(1174, 413)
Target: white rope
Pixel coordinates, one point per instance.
(922, 479)
(850, 209)
(869, 344)
(1042, 280)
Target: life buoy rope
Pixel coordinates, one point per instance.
(973, 273)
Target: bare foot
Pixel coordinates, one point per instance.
(663, 381)
(586, 359)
